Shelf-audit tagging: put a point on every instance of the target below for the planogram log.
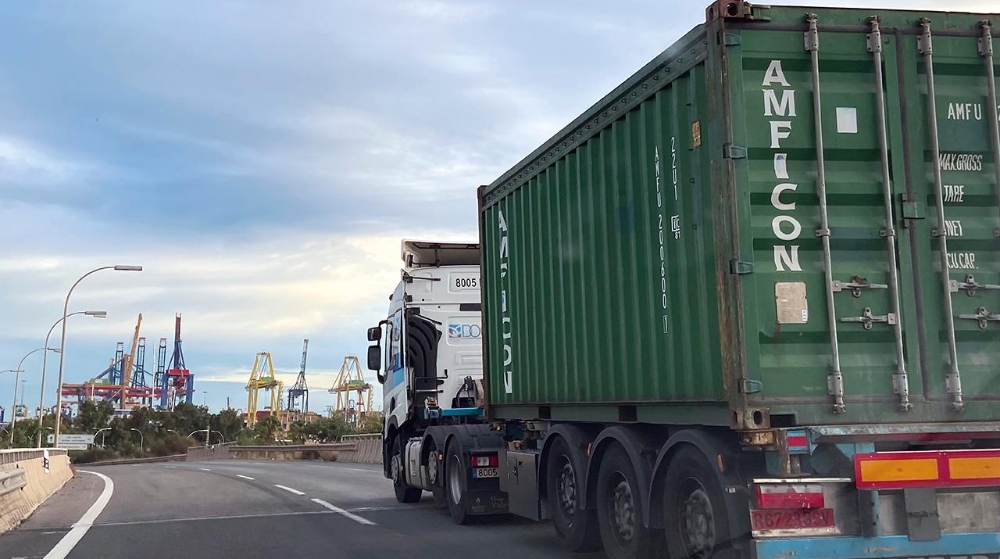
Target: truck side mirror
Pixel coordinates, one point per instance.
(374, 357)
(374, 333)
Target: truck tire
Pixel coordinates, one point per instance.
(619, 515)
(694, 508)
(404, 493)
(456, 483)
(575, 525)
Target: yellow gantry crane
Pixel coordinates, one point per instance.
(352, 379)
(262, 378)
(127, 365)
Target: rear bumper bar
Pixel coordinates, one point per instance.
(884, 547)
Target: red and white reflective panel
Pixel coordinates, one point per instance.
(790, 496)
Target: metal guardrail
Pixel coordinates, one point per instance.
(365, 437)
(12, 480)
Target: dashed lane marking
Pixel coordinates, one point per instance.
(244, 477)
(342, 512)
(289, 489)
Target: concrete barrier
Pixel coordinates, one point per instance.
(368, 449)
(270, 452)
(27, 478)
(201, 453)
(150, 460)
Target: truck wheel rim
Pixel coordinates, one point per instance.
(395, 469)
(432, 467)
(622, 511)
(455, 480)
(698, 522)
(567, 488)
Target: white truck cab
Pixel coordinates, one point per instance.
(428, 350)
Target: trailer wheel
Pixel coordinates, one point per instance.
(694, 512)
(575, 525)
(435, 470)
(456, 483)
(620, 519)
(404, 493)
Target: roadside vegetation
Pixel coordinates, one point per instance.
(149, 433)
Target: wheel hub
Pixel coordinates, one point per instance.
(432, 468)
(623, 511)
(395, 469)
(699, 524)
(567, 489)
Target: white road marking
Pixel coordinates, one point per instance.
(244, 477)
(78, 530)
(289, 489)
(202, 518)
(205, 469)
(340, 511)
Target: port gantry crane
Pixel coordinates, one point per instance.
(299, 390)
(262, 378)
(352, 379)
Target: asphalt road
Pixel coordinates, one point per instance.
(273, 510)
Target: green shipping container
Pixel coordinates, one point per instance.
(672, 256)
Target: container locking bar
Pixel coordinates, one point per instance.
(982, 316)
(986, 51)
(867, 319)
(855, 285)
(970, 286)
(953, 380)
(900, 380)
(835, 380)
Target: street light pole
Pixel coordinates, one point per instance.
(45, 359)
(17, 377)
(102, 435)
(62, 342)
(141, 444)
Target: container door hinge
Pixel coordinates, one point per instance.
(740, 268)
(730, 151)
(748, 386)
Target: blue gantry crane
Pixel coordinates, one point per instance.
(298, 394)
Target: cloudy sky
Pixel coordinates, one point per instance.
(263, 159)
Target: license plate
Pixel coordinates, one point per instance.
(790, 519)
(480, 473)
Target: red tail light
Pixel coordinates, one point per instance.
(790, 496)
(485, 461)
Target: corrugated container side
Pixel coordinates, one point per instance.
(601, 270)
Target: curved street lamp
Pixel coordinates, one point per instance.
(141, 444)
(17, 375)
(45, 359)
(62, 342)
(102, 436)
